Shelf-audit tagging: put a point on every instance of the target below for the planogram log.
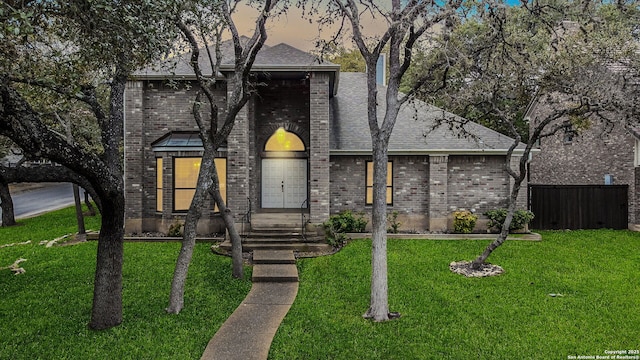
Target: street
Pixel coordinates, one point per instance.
(42, 199)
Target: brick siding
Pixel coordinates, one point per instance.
(424, 187)
(319, 148)
(480, 183)
(154, 109)
(586, 159)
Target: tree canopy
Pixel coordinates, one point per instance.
(58, 57)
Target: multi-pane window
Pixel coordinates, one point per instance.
(369, 185)
(185, 180)
(159, 188)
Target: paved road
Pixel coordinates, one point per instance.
(43, 199)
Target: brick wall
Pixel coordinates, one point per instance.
(153, 110)
(410, 188)
(238, 163)
(347, 183)
(134, 155)
(319, 148)
(438, 192)
(477, 182)
(426, 189)
(586, 159)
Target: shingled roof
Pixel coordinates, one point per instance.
(412, 134)
(281, 57)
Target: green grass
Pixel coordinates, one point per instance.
(447, 316)
(44, 313)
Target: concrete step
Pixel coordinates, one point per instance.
(256, 240)
(267, 221)
(295, 246)
(275, 232)
(275, 273)
(254, 237)
(273, 257)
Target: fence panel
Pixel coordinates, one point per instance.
(579, 206)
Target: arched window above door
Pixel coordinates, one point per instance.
(283, 140)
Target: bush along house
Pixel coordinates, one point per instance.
(300, 151)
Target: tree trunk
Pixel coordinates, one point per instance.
(229, 222)
(502, 237)
(379, 305)
(8, 215)
(46, 173)
(27, 129)
(176, 297)
(107, 293)
(82, 232)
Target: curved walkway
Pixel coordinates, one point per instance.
(248, 332)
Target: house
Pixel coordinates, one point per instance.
(597, 157)
(301, 148)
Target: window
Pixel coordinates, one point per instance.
(369, 185)
(221, 166)
(159, 192)
(185, 180)
(283, 140)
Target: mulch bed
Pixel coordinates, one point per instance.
(464, 268)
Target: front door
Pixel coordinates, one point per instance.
(284, 183)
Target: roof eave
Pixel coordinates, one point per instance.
(256, 68)
(434, 152)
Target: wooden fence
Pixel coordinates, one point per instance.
(579, 206)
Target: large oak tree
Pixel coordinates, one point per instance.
(84, 52)
(403, 26)
(578, 62)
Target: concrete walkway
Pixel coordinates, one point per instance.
(248, 332)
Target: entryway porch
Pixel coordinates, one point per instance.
(280, 231)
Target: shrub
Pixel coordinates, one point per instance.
(394, 224)
(337, 225)
(464, 221)
(521, 218)
(175, 230)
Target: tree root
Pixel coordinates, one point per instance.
(14, 244)
(15, 268)
(69, 239)
(390, 316)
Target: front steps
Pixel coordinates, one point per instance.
(279, 231)
(274, 266)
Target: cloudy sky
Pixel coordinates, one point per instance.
(291, 28)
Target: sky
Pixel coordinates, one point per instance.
(291, 28)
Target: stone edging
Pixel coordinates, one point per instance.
(526, 237)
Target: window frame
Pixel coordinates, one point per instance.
(159, 184)
(174, 187)
(367, 186)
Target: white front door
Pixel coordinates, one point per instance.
(284, 183)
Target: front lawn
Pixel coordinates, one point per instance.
(594, 275)
(44, 312)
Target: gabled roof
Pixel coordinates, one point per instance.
(411, 134)
(277, 58)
